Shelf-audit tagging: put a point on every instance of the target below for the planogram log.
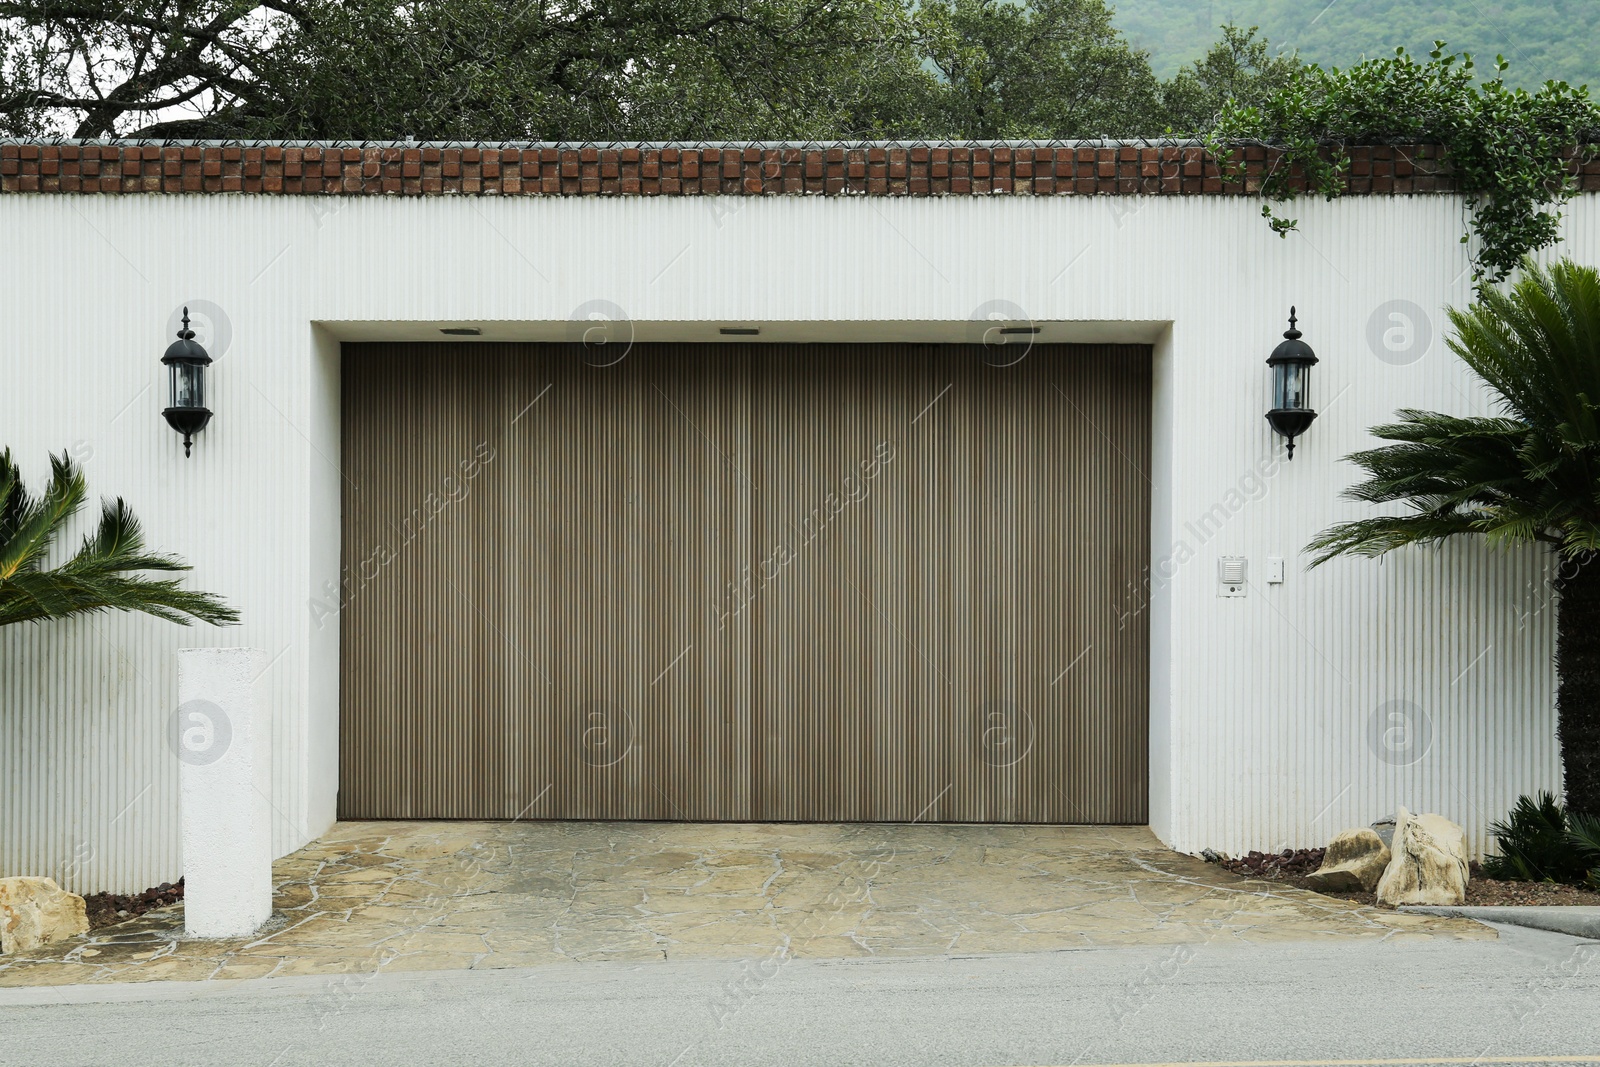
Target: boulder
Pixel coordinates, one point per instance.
(1429, 862)
(1384, 828)
(1353, 862)
(36, 911)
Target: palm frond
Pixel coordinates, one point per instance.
(104, 573)
(1531, 474)
(36, 524)
(1584, 833)
(13, 496)
(1374, 537)
(118, 545)
(39, 596)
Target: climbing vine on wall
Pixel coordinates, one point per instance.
(1509, 151)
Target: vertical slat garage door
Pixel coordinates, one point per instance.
(742, 581)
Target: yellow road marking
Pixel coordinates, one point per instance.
(1427, 1061)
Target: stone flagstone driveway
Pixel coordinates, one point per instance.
(432, 895)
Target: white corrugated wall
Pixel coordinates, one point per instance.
(1263, 707)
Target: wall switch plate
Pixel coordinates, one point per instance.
(1231, 576)
(1274, 570)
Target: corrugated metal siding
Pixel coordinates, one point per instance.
(1265, 702)
(88, 783)
(745, 582)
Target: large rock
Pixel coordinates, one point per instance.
(1429, 862)
(36, 911)
(1353, 863)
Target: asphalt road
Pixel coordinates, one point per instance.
(1531, 997)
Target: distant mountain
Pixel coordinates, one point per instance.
(1542, 39)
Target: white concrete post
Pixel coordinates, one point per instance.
(221, 737)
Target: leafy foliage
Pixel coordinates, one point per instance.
(1531, 474)
(100, 575)
(1538, 844)
(1052, 68)
(1508, 149)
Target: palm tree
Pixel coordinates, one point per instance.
(1528, 475)
(99, 576)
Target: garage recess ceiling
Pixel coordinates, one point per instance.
(745, 581)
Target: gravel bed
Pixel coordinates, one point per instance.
(107, 909)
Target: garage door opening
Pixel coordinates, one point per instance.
(745, 582)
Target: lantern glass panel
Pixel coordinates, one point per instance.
(188, 385)
(1291, 386)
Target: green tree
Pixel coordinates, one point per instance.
(1529, 475)
(456, 69)
(101, 575)
(1240, 70)
(1050, 68)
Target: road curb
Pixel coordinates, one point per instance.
(1577, 921)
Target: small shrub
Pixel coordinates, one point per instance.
(1584, 832)
(1538, 844)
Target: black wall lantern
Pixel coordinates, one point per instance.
(186, 362)
(1291, 364)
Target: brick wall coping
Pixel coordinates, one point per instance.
(728, 169)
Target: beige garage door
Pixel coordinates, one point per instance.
(745, 582)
